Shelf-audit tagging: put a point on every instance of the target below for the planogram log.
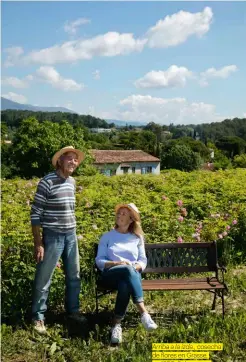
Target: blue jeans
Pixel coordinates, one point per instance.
(57, 245)
(127, 281)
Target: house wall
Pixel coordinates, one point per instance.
(116, 168)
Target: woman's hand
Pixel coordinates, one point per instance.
(110, 264)
(138, 267)
(123, 263)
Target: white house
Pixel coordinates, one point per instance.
(100, 130)
(115, 162)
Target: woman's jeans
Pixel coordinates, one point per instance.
(57, 245)
(127, 281)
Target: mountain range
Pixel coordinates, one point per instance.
(8, 104)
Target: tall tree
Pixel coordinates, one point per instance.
(35, 143)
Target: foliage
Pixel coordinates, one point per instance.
(4, 130)
(180, 157)
(194, 145)
(182, 318)
(8, 168)
(240, 161)
(35, 143)
(135, 140)
(229, 136)
(13, 118)
(216, 130)
(220, 161)
(212, 202)
(231, 146)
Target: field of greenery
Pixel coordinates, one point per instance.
(175, 207)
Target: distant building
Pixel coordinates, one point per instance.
(100, 130)
(118, 162)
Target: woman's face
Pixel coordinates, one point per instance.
(123, 217)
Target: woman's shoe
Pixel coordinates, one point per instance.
(148, 322)
(116, 334)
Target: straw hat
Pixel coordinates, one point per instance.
(58, 154)
(132, 207)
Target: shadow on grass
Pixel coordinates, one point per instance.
(96, 324)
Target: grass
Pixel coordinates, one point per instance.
(181, 316)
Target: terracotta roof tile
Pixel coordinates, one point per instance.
(116, 156)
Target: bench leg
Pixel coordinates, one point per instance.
(223, 303)
(214, 301)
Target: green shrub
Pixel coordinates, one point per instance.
(180, 157)
(240, 161)
(212, 201)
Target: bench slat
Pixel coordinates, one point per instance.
(180, 281)
(178, 269)
(181, 286)
(177, 245)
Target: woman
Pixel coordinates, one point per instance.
(121, 258)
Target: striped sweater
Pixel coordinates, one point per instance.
(54, 203)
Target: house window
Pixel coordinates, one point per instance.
(143, 170)
(149, 169)
(125, 169)
(133, 169)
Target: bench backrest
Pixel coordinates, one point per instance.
(181, 257)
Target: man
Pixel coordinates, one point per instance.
(52, 215)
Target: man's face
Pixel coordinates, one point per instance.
(68, 162)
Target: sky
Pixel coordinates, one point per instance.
(164, 62)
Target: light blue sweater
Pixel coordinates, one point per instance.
(115, 246)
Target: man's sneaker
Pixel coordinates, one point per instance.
(148, 323)
(116, 334)
(39, 327)
(78, 317)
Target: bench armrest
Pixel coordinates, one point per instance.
(222, 269)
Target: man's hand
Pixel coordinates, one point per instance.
(38, 243)
(39, 252)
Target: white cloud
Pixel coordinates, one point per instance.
(170, 31)
(244, 115)
(222, 73)
(15, 82)
(72, 26)
(162, 110)
(13, 55)
(29, 77)
(50, 75)
(177, 28)
(15, 97)
(96, 74)
(107, 45)
(174, 76)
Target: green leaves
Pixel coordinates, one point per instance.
(35, 143)
(205, 195)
